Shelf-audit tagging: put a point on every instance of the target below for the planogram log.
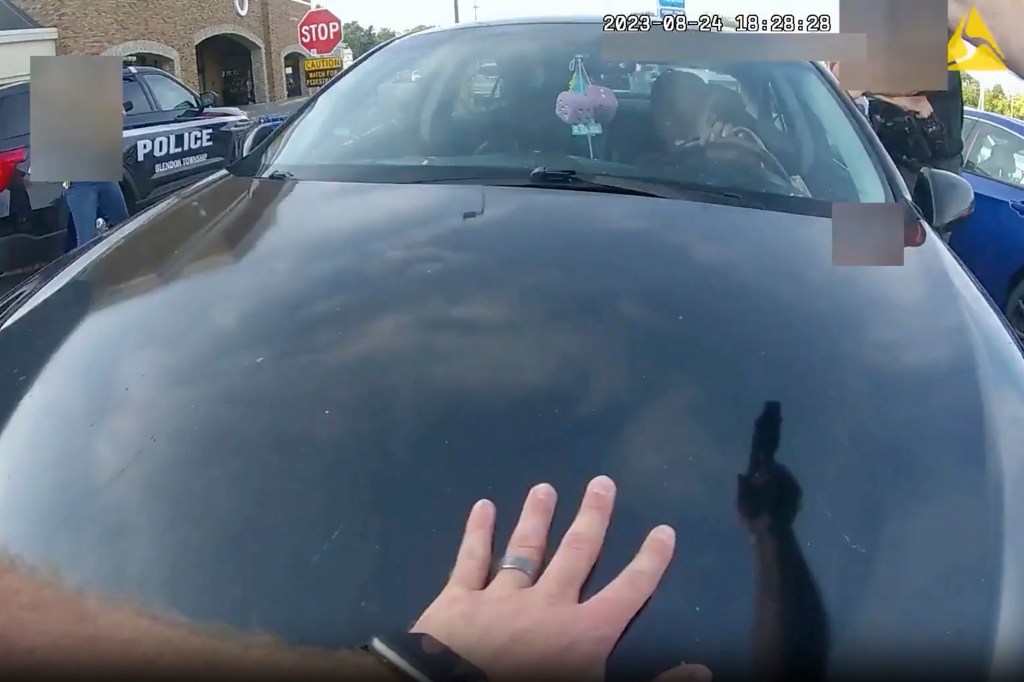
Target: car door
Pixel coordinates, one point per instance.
(991, 243)
(32, 232)
(143, 120)
(185, 145)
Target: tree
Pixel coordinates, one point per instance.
(362, 39)
(417, 29)
(383, 35)
(972, 90)
(996, 100)
(357, 38)
(1016, 106)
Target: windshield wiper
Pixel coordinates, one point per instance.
(555, 179)
(571, 179)
(281, 175)
(664, 189)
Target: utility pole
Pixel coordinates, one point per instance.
(475, 8)
(456, 11)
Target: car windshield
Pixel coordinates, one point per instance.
(487, 102)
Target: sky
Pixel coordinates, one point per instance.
(989, 79)
(405, 14)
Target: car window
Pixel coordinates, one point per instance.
(997, 154)
(968, 128)
(169, 94)
(14, 116)
(488, 98)
(133, 92)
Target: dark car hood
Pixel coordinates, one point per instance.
(271, 404)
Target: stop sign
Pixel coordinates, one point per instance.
(319, 31)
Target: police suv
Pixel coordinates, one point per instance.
(172, 138)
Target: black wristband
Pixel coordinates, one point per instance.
(422, 658)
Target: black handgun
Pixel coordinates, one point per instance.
(767, 432)
(768, 490)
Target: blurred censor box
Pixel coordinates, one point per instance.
(76, 118)
(868, 234)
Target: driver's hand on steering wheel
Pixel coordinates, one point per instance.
(721, 132)
(721, 141)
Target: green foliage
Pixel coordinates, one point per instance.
(996, 99)
(361, 39)
(971, 90)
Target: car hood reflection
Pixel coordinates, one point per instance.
(273, 404)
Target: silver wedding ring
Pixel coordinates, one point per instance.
(518, 563)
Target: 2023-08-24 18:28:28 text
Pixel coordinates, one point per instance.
(714, 23)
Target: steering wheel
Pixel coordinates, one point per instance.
(744, 148)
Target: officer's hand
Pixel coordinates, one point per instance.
(917, 105)
(511, 628)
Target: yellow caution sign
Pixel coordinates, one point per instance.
(322, 64)
(986, 56)
(318, 79)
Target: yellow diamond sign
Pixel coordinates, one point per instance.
(961, 53)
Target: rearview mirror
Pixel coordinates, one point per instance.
(208, 99)
(258, 134)
(945, 198)
(127, 106)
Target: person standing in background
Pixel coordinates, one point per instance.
(937, 123)
(88, 201)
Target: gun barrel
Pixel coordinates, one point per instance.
(767, 432)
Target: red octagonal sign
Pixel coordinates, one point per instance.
(319, 31)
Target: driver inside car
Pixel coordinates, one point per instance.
(690, 115)
(686, 110)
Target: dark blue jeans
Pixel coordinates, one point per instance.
(89, 201)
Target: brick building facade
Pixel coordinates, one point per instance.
(241, 49)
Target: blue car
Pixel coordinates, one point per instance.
(991, 242)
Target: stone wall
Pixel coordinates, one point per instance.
(172, 29)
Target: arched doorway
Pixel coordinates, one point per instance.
(294, 76)
(148, 53)
(229, 61)
(225, 67)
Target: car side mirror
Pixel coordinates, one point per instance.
(208, 99)
(945, 198)
(256, 137)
